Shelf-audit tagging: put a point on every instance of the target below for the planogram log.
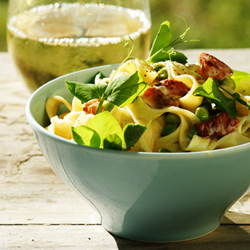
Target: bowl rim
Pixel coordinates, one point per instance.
(37, 127)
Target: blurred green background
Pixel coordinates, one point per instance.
(217, 24)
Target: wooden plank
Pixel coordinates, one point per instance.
(38, 203)
(96, 237)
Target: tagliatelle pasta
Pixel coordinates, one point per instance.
(153, 105)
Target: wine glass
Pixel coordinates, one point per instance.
(49, 38)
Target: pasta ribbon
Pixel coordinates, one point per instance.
(53, 103)
(139, 112)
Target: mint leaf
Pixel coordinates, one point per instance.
(86, 136)
(210, 90)
(132, 133)
(86, 91)
(105, 124)
(123, 90)
(112, 141)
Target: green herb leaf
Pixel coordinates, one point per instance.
(85, 91)
(238, 75)
(86, 136)
(164, 55)
(105, 124)
(242, 82)
(112, 141)
(161, 48)
(177, 57)
(100, 75)
(210, 90)
(237, 98)
(123, 90)
(104, 131)
(163, 39)
(132, 133)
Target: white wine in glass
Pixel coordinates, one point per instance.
(49, 38)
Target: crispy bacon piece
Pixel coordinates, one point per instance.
(213, 67)
(91, 106)
(166, 93)
(217, 126)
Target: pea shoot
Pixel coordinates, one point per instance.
(214, 92)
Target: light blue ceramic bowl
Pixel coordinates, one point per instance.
(156, 197)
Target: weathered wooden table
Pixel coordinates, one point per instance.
(37, 210)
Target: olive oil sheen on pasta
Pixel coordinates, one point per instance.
(52, 40)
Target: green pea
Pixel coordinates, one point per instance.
(168, 129)
(158, 66)
(191, 133)
(172, 118)
(164, 150)
(202, 113)
(228, 82)
(163, 74)
(108, 106)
